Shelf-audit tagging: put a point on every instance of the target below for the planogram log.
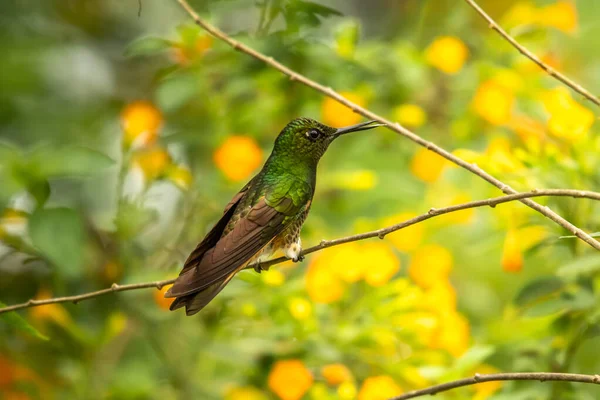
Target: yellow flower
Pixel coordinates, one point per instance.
(13, 222)
(430, 264)
(447, 53)
(300, 308)
(356, 180)
(116, 324)
(245, 393)
(346, 391)
(238, 157)
(338, 115)
(249, 310)
(406, 239)
(440, 298)
(289, 379)
(561, 15)
(410, 115)
(467, 155)
(485, 389)
(421, 324)
(522, 13)
(322, 283)
(180, 176)
(568, 119)
(345, 262)
(499, 156)
(141, 121)
(427, 165)
(273, 277)
(494, 102)
(453, 334)
(336, 374)
(379, 388)
(152, 162)
(161, 300)
(380, 263)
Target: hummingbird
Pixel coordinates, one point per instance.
(265, 216)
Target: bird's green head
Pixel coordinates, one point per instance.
(305, 139)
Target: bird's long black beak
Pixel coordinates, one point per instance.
(363, 126)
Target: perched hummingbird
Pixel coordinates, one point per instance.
(265, 216)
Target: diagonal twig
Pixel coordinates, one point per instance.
(380, 233)
(396, 127)
(509, 376)
(523, 50)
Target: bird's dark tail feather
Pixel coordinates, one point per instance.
(197, 301)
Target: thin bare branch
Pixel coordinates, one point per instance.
(510, 376)
(380, 233)
(523, 50)
(396, 127)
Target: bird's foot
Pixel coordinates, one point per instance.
(298, 258)
(259, 268)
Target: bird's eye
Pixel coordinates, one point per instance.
(313, 134)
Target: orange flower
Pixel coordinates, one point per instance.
(379, 388)
(336, 374)
(161, 300)
(447, 53)
(50, 312)
(427, 165)
(141, 121)
(380, 263)
(152, 162)
(289, 379)
(322, 284)
(512, 255)
(494, 102)
(430, 264)
(407, 239)
(338, 115)
(238, 157)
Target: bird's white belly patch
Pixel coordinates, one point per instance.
(293, 250)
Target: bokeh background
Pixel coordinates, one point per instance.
(122, 137)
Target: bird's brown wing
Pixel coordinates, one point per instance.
(212, 237)
(200, 282)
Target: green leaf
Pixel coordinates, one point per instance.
(550, 306)
(473, 357)
(59, 235)
(13, 319)
(147, 46)
(580, 266)
(595, 234)
(538, 289)
(175, 92)
(72, 161)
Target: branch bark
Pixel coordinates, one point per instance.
(510, 376)
(396, 127)
(379, 233)
(523, 50)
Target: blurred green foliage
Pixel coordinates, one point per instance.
(123, 137)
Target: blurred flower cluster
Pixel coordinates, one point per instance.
(120, 187)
